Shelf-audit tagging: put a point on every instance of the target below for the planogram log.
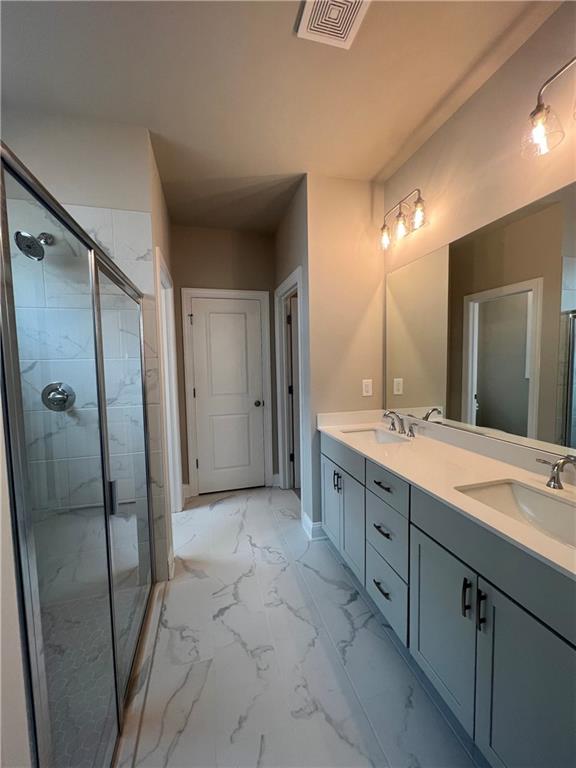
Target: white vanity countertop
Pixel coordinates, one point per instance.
(437, 468)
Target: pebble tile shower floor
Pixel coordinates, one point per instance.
(268, 656)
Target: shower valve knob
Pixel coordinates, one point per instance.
(58, 396)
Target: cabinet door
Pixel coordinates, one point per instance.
(331, 500)
(525, 689)
(442, 628)
(353, 525)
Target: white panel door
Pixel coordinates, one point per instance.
(227, 338)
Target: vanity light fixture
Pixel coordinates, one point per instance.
(385, 238)
(401, 224)
(544, 131)
(410, 217)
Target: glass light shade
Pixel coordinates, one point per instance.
(418, 215)
(543, 133)
(385, 238)
(401, 226)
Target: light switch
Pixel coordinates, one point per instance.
(366, 387)
(398, 386)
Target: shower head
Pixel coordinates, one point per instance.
(29, 245)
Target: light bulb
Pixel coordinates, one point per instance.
(401, 226)
(543, 133)
(418, 216)
(385, 238)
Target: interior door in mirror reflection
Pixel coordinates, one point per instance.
(501, 360)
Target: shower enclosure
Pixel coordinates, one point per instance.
(73, 394)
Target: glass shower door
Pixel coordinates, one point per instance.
(54, 422)
(120, 319)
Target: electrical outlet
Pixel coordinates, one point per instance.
(366, 387)
(398, 386)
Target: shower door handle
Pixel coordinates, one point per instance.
(113, 496)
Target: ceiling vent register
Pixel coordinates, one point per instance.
(332, 22)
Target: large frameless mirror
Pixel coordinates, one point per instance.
(484, 328)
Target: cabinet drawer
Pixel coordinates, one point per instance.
(394, 491)
(345, 457)
(388, 591)
(387, 531)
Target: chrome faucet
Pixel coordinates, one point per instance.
(430, 411)
(395, 418)
(554, 481)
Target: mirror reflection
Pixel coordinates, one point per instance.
(485, 327)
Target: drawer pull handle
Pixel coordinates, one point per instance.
(378, 585)
(386, 534)
(334, 479)
(481, 597)
(380, 484)
(464, 604)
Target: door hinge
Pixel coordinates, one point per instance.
(290, 389)
(191, 318)
(197, 465)
(291, 457)
(193, 391)
(289, 319)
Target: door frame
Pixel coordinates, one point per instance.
(169, 396)
(189, 378)
(292, 283)
(534, 289)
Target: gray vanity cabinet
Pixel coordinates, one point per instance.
(353, 539)
(525, 688)
(331, 513)
(343, 515)
(442, 623)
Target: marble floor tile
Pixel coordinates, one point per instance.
(267, 654)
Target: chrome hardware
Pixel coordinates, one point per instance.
(58, 396)
(554, 482)
(378, 585)
(392, 415)
(431, 411)
(411, 432)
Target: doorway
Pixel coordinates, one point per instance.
(228, 389)
(288, 302)
(502, 338)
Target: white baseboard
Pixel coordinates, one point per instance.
(276, 481)
(312, 530)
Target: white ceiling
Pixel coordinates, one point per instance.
(238, 106)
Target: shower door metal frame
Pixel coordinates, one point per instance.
(20, 509)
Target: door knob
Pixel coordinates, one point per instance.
(257, 403)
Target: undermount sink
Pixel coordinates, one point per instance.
(553, 515)
(374, 434)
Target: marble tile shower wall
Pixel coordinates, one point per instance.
(126, 236)
(56, 343)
